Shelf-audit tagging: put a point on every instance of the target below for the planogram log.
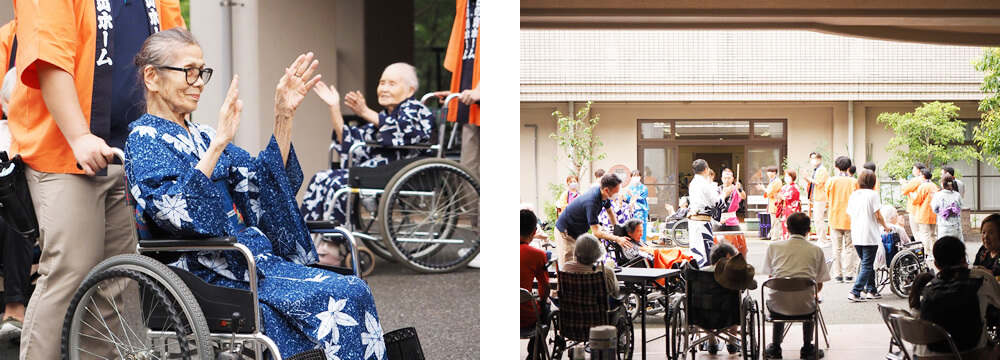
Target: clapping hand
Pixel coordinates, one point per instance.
(328, 94)
(229, 115)
(293, 86)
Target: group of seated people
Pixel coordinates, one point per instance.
(968, 308)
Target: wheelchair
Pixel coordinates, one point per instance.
(422, 212)
(706, 310)
(584, 303)
(656, 299)
(136, 307)
(905, 266)
(676, 233)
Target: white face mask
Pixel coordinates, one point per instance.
(635, 179)
(574, 185)
(788, 179)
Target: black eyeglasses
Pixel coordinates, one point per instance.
(192, 73)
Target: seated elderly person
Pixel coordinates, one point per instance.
(190, 181)
(797, 258)
(988, 256)
(404, 121)
(586, 256)
(957, 299)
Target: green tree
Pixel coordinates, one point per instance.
(928, 135)
(987, 133)
(186, 12)
(576, 137)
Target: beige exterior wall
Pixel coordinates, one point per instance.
(263, 44)
(807, 122)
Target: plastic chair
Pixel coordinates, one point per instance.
(539, 331)
(791, 284)
(922, 332)
(886, 312)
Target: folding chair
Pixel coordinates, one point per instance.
(539, 331)
(791, 284)
(886, 312)
(922, 332)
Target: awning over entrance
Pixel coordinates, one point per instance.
(959, 22)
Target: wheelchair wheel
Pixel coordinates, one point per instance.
(626, 340)
(881, 278)
(147, 317)
(429, 215)
(748, 325)
(558, 342)
(366, 260)
(632, 303)
(904, 268)
(677, 339)
(679, 233)
(367, 223)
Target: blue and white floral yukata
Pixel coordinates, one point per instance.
(409, 123)
(252, 199)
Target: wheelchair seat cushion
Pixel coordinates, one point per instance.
(377, 177)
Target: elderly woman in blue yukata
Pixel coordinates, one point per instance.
(189, 181)
(404, 121)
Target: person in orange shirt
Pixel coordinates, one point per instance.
(75, 59)
(838, 190)
(771, 193)
(909, 187)
(6, 46)
(816, 192)
(462, 59)
(923, 214)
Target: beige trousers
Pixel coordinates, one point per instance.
(470, 148)
(818, 209)
(82, 220)
(565, 246)
(845, 258)
(925, 233)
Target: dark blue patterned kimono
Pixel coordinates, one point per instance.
(409, 123)
(253, 199)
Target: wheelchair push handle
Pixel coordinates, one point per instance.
(117, 153)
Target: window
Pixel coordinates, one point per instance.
(711, 130)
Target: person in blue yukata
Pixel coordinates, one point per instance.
(190, 181)
(636, 194)
(404, 121)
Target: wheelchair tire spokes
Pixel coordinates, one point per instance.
(903, 270)
(430, 216)
(165, 322)
(100, 322)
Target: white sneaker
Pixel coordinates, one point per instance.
(822, 244)
(872, 295)
(852, 298)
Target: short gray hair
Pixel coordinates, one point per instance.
(9, 81)
(588, 249)
(409, 74)
(159, 48)
(631, 224)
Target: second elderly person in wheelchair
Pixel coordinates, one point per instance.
(393, 186)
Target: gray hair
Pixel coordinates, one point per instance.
(9, 81)
(631, 224)
(588, 249)
(158, 48)
(409, 74)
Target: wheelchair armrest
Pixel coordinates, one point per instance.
(420, 146)
(336, 269)
(194, 244)
(322, 225)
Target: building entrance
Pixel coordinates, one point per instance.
(666, 149)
